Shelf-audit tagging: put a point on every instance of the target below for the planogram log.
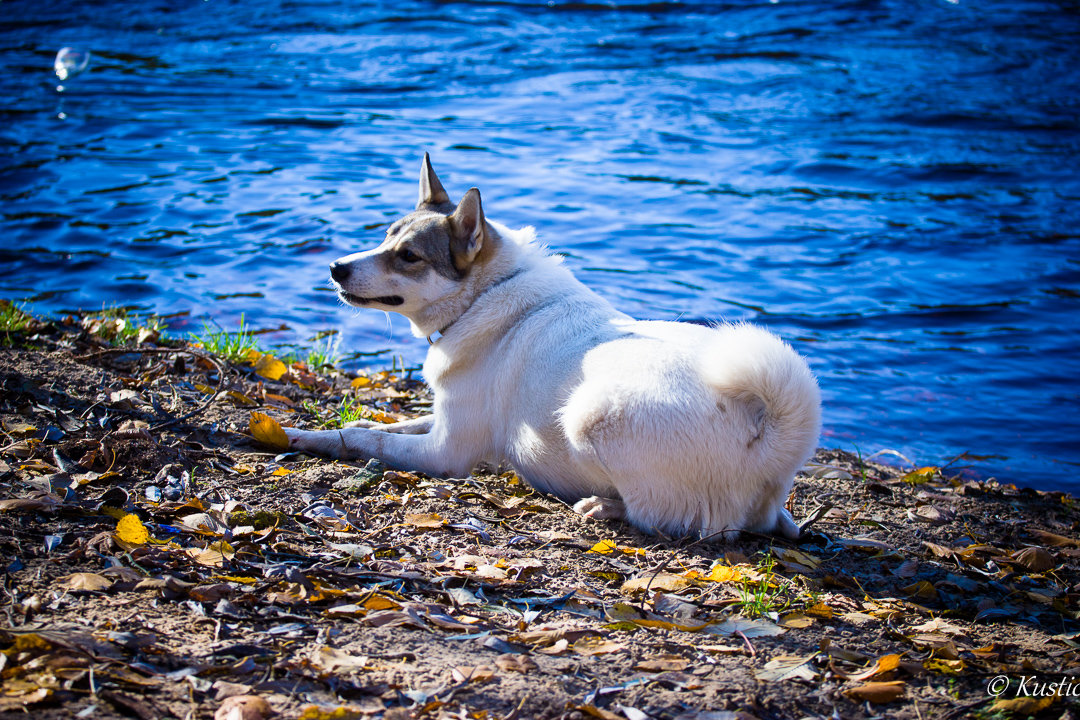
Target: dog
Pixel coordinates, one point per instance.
(677, 428)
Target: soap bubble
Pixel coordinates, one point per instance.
(70, 62)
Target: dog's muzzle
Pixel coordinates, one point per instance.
(340, 272)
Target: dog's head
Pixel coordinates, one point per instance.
(426, 257)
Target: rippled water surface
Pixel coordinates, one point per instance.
(892, 186)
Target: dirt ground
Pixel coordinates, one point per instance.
(162, 566)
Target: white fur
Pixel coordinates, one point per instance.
(695, 429)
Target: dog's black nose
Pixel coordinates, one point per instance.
(339, 271)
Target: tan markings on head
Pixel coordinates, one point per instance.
(424, 235)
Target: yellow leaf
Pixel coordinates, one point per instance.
(361, 381)
(820, 610)
(266, 430)
(282, 471)
(724, 574)
(604, 547)
(920, 476)
(131, 530)
(877, 692)
(270, 367)
(922, 590)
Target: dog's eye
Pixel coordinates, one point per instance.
(408, 255)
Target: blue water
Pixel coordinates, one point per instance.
(890, 185)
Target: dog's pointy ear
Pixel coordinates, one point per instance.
(467, 230)
(432, 194)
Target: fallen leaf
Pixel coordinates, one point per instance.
(84, 582)
(48, 503)
(884, 664)
(476, 674)
(243, 707)
(270, 367)
(1056, 540)
(877, 692)
(655, 581)
(922, 590)
(268, 431)
(796, 621)
(516, 663)
(592, 645)
(131, 530)
(427, 521)
(1035, 559)
(1024, 705)
(663, 663)
(333, 660)
(787, 667)
(750, 627)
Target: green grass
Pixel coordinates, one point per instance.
(759, 598)
(13, 318)
(118, 326)
(233, 347)
(324, 351)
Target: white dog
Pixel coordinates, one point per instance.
(677, 428)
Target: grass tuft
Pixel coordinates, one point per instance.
(233, 347)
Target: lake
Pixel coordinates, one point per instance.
(891, 186)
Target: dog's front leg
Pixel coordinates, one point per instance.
(429, 452)
(413, 426)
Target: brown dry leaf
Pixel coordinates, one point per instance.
(1056, 540)
(333, 660)
(516, 663)
(425, 521)
(877, 692)
(547, 635)
(84, 582)
(476, 674)
(663, 663)
(47, 503)
(557, 648)
(796, 621)
(1023, 706)
(655, 581)
(931, 514)
(12, 702)
(244, 707)
(787, 667)
(1035, 559)
(267, 430)
(593, 645)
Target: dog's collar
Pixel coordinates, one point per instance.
(439, 334)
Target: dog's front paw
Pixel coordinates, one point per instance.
(313, 441)
(601, 508)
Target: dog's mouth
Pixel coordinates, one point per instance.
(383, 300)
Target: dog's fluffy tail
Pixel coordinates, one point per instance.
(756, 368)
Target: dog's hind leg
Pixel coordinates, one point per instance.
(601, 508)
